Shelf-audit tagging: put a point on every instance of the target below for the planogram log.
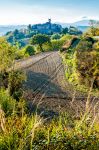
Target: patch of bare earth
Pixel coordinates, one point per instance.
(46, 88)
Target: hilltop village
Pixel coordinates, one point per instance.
(22, 36)
(47, 28)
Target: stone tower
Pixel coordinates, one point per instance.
(49, 20)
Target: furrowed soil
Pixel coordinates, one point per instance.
(46, 88)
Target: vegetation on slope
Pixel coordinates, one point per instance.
(81, 59)
(20, 129)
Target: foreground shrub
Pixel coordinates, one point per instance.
(15, 82)
(7, 55)
(87, 63)
(7, 103)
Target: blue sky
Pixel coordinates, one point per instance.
(36, 11)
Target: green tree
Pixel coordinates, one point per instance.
(40, 39)
(15, 81)
(7, 55)
(55, 36)
(29, 50)
(9, 78)
(7, 58)
(65, 31)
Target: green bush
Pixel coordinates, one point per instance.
(55, 36)
(21, 54)
(87, 63)
(29, 50)
(7, 103)
(15, 82)
(47, 47)
(7, 55)
(56, 45)
(25, 52)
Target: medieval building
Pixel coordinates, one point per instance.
(47, 28)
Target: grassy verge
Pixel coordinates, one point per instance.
(21, 130)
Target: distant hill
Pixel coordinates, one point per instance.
(83, 28)
(81, 25)
(6, 28)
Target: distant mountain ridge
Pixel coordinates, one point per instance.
(79, 23)
(82, 25)
(6, 28)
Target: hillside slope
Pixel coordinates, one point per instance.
(46, 85)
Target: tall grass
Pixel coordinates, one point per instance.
(20, 130)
